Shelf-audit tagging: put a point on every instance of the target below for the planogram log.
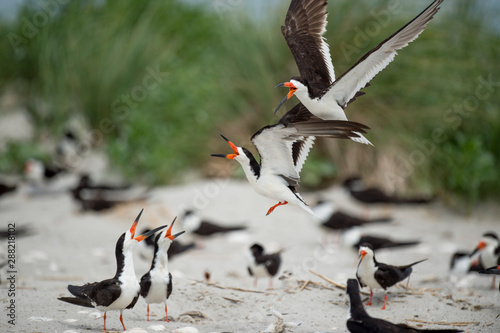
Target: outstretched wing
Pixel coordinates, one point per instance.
(344, 89)
(304, 27)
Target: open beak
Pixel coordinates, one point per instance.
(288, 96)
(169, 232)
(230, 156)
(134, 225)
(149, 233)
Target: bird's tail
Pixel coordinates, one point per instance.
(77, 301)
(361, 139)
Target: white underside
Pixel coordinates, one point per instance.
(158, 290)
(366, 271)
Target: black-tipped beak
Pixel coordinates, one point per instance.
(281, 103)
(280, 85)
(224, 138)
(178, 234)
(149, 233)
(218, 155)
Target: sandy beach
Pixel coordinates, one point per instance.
(71, 247)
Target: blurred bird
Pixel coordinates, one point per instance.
(489, 252)
(6, 188)
(37, 172)
(194, 224)
(120, 292)
(156, 285)
(464, 262)
(283, 149)
(353, 237)
(317, 88)
(359, 321)
(375, 275)
(262, 265)
(492, 270)
(70, 150)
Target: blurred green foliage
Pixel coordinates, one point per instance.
(158, 80)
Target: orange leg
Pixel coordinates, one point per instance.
(385, 300)
(148, 312)
(370, 300)
(493, 283)
(273, 207)
(121, 320)
(166, 315)
(255, 283)
(104, 330)
(270, 283)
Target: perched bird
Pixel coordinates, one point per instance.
(120, 292)
(353, 237)
(194, 224)
(316, 88)
(489, 252)
(360, 322)
(370, 195)
(492, 270)
(283, 149)
(156, 285)
(262, 265)
(376, 275)
(37, 172)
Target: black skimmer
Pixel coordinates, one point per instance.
(146, 248)
(371, 195)
(492, 270)
(283, 149)
(359, 321)
(262, 265)
(355, 238)
(120, 292)
(317, 88)
(38, 172)
(192, 223)
(489, 251)
(376, 275)
(464, 262)
(156, 285)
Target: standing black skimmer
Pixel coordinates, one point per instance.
(156, 285)
(359, 321)
(283, 149)
(38, 172)
(194, 224)
(370, 195)
(263, 265)
(316, 88)
(120, 292)
(376, 275)
(489, 252)
(492, 270)
(354, 237)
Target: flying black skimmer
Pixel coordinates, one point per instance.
(371, 195)
(355, 238)
(192, 223)
(359, 321)
(376, 275)
(492, 270)
(37, 172)
(317, 88)
(262, 265)
(489, 251)
(283, 149)
(120, 292)
(156, 285)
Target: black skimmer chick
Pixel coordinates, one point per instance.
(262, 265)
(317, 88)
(359, 321)
(489, 252)
(355, 238)
(371, 195)
(192, 223)
(156, 285)
(376, 275)
(492, 270)
(120, 292)
(283, 149)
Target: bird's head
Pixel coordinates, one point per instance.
(295, 85)
(488, 239)
(165, 238)
(129, 239)
(239, 152)
(365, 250)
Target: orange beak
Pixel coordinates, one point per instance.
(149, 233)
(233, 147)
(362, 253)
(289, 95)
(134, 225)
(169, 232)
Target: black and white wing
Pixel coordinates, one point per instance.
(304, 27)
(344, 89)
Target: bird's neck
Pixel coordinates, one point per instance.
(125, 264)
(251, 168)
(160, 261)
(357, 309)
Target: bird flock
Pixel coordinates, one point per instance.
(283, 148)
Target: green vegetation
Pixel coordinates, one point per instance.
(158, 80)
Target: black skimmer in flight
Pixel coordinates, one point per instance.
(120, 292)
(355, 238)
(156, 285)
(263, 265)
(376, 275)
(489, 251)
(192, 223)
(283, 149)
(371, 195)
(492, 270)
(359, 321)
(317, 88)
